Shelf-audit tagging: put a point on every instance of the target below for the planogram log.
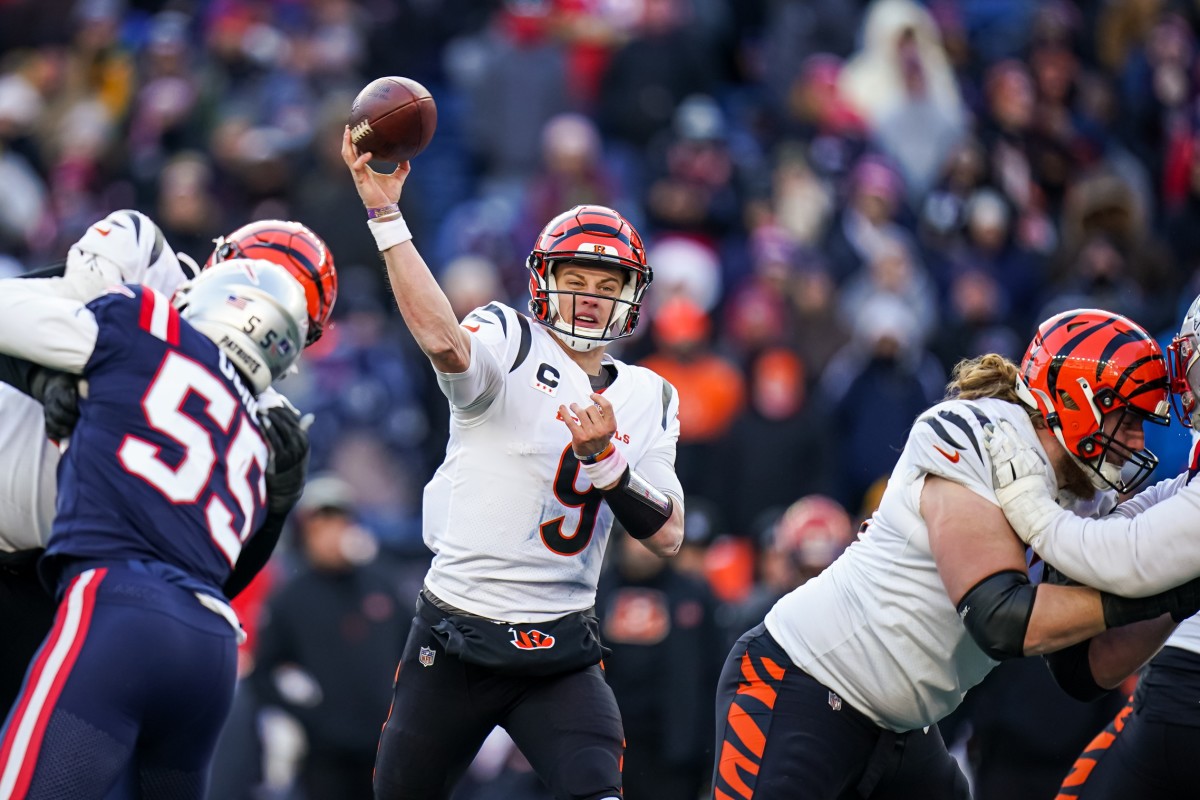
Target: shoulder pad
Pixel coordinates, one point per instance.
(947, 440)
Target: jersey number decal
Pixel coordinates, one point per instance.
(587, 502)
(177, 379)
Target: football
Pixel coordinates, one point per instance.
(393, 119)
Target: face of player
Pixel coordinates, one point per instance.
(595, 292)
(1126, 430)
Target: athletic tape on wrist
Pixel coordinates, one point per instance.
(607, 469)
(389, 232)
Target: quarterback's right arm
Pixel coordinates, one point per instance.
(1132, 556)
(423, 304)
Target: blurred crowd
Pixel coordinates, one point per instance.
(840, 199)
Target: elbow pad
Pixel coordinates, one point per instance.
(996, 612)
(1072, 672)
(640, 508)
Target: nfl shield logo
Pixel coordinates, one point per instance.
(426, 657)
(835, 702)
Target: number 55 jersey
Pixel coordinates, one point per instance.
(167, 461)
(517, 530)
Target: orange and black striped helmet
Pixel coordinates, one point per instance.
(1086, 364)
(590, 235)
(298, 250)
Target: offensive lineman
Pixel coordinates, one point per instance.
(162, 486)
(839, 691)
(124, 247)
(550, 439)
(1146, 545)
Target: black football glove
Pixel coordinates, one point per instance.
(58, 392)
(287, 435)
(1180, 602)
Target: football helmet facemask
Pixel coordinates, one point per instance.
(1085, 365)
(255, 311)
(298, 250)
(591, 236)
(1183, 356)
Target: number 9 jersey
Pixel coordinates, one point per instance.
(517, 530)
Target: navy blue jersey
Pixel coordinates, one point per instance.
(167, 461)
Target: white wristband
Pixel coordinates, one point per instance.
(605, 473)
(389, 232)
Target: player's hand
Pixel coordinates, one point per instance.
(595, 428)
(287, 469)
(1019, 477)
(58, 393)
(376, 189)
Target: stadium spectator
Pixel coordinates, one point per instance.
(330, 642)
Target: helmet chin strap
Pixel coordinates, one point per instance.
(579, 344)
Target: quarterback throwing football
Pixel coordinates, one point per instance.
(551, 439)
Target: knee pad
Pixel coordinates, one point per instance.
(593, 773)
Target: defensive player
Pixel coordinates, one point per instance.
(124, 247)
(550, 439)
(1147, 544)
(155, 501)
(838, 693)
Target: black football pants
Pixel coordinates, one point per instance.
(26, 616)
(568, 726)
(782, 735)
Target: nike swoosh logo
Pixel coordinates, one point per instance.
(471, 328)
(103, 231)
(951, 457)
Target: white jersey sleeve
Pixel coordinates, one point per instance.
(1150, 496)
(496, 338)
(947, 441)
(1133, 556)
(40, 325)
(658, 464)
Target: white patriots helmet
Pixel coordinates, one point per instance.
(125, 247)
(1183, 363)
(255, 311)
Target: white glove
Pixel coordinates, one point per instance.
(1020, 478)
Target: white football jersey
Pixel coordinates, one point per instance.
(517, 530)
(877, 627)
(28, 473)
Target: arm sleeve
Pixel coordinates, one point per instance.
(254, 555)
(494, 331)
(1127, 556)
(45, 328)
